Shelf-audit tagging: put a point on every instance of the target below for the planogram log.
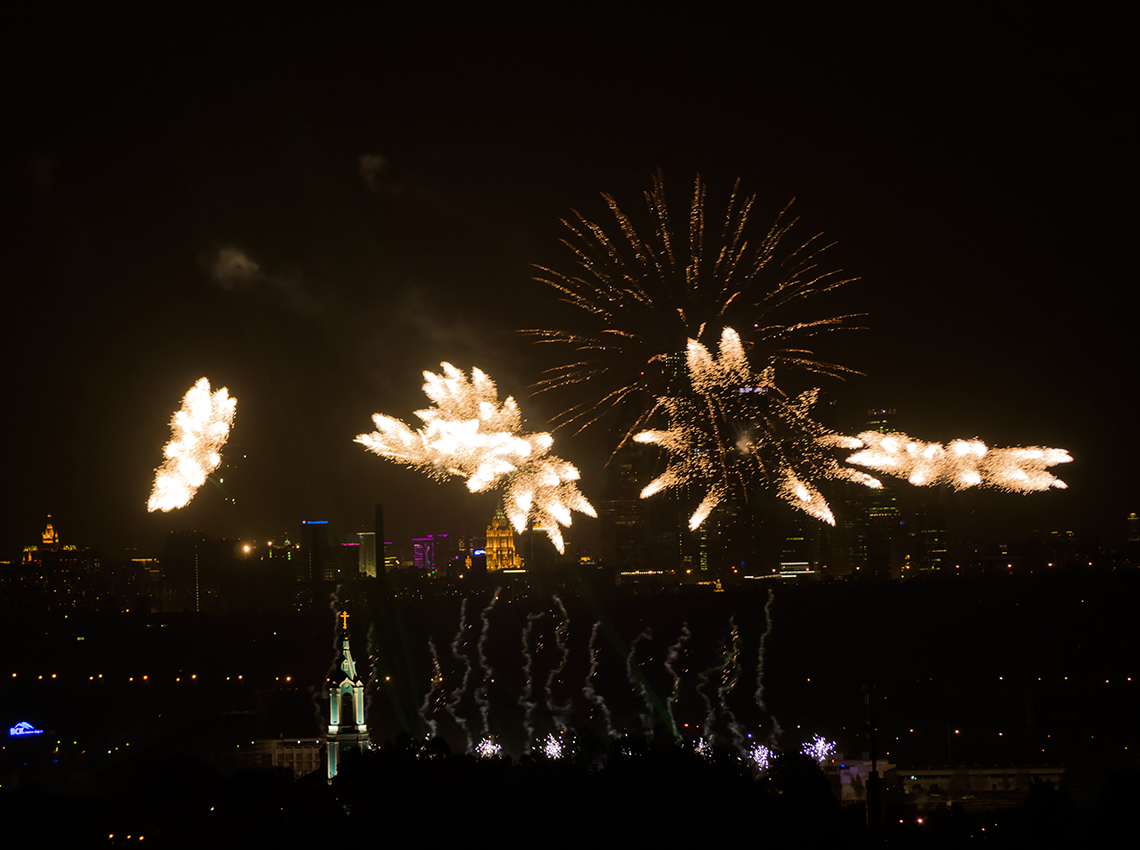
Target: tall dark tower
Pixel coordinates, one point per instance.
(381, 561)
(882, 529)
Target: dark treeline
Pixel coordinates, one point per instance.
(628, 792)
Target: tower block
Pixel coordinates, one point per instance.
(346, 705)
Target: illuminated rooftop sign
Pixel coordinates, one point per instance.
(24, 728)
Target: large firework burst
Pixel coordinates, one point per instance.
(644, 290)
(469, 433)
(198, 431)
(731, 428)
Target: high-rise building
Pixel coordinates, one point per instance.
(316, 564)
(500, 547)
(367, 553)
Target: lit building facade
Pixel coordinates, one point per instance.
(500, 547)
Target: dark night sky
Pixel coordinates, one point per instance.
(972, 168)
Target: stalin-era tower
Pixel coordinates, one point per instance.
(346, 705)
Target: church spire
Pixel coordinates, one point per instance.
(347, 728)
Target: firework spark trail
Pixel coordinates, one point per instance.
(637, 679)
(760, 662)
(671, 658)
(588, 690)
(961, 464)
(730, 676)
(432, 706)
(728, 673)
(702, 682)
(559, 712)
(525, 700)
(481, 701)
(457, 694)
(642, 297)
(198, 431)
(468, 433)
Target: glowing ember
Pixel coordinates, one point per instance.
(199, 430)
(470, 434)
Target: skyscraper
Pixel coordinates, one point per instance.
(500, 548)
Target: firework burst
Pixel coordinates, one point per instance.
(732, 427)
(470, 434)
(643, 293)
(199, 430)
(961, 464)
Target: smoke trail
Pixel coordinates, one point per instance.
(436, 688)
(320, 696)
(637, 679)
(457, 694)
(760, 666)
(559, 712)
(528, 705)
(671, 657)
(729, 677)
(373, 673)
(760, 659)
(481, 701)
(588, 689)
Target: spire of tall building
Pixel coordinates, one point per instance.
(51, 538)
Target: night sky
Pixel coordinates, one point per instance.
(395, 175)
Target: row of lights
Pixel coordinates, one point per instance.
(192, 677)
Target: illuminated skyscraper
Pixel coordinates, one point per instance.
(500, 548)
(367, 553)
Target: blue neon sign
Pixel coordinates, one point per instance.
(24, 728)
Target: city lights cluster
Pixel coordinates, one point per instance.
(199, 430)
(470, 434)
(961, 463)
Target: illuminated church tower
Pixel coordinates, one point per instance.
(500, 548)
(346, 705)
